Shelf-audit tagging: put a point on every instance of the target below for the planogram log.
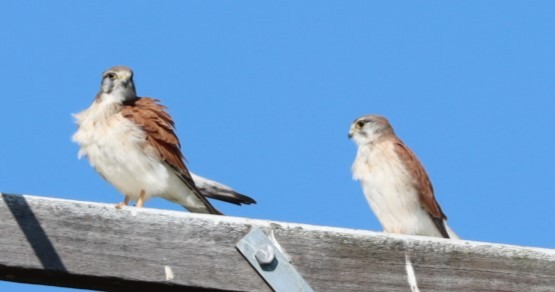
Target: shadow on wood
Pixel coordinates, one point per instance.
(35, 235)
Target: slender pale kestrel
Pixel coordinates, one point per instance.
(394, 182)
(131, 142)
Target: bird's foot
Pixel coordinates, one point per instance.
(120, 205)
(124, 203)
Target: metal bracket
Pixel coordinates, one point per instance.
(271, 263)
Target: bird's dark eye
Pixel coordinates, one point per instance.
(111, 76)
(360, 124)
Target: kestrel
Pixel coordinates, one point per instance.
(131, 143)
(394, 182)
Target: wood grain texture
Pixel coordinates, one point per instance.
(94, 246)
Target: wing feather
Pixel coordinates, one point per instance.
(423, 185)
(159, 127)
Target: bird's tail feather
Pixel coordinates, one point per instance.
(452, 234)
(218, 191)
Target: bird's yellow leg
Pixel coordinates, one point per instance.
(141, 200)
(124, 203)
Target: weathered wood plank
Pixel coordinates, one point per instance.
(94, 246)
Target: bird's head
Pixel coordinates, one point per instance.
(117, 84)
(368, 129)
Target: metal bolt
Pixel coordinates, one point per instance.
(265, 255)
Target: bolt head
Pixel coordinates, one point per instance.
(265, 255)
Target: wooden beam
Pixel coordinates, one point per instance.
(94, 246)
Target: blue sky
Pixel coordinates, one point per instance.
(263, 94)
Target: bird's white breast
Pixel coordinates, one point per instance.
(390, 191)
(116, 147)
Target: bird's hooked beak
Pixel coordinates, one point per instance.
(125, 81)
(356, 127)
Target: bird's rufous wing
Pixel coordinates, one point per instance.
(423, 185)
(159, 128)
